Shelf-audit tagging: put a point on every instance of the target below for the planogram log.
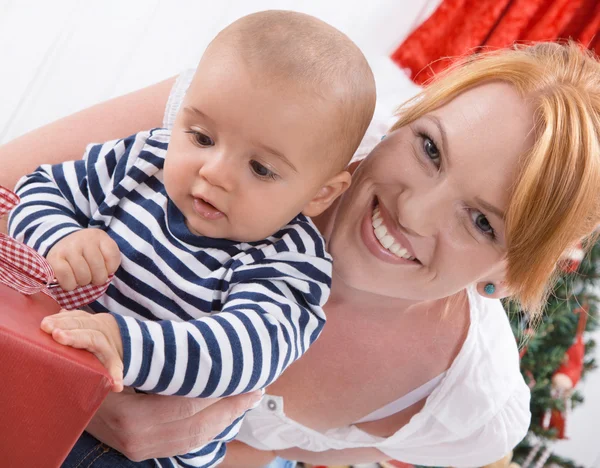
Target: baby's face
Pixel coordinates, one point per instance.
(246, 155)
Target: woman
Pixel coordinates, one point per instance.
(486, 179)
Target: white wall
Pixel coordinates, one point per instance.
(59, 56)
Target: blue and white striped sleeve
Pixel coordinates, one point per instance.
(57, 200)
(272, 315)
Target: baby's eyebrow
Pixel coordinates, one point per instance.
(195, 111)
(277, 154)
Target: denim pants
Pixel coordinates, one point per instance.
(281, 463)
(89, 452)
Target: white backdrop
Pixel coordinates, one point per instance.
(60, 56)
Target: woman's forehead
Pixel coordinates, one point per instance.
(486, 131)
(487, 126)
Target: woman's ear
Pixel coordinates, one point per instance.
(493, 289)
(493, 285)
(326, 195)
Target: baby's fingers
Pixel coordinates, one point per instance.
(96, 263)
(111, 253)
(96, 343)
(80, 267)
(64, 274)
(68, 320)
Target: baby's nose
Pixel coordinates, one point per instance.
(219, 171)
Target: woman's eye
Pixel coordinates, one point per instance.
(431, 150)
(483, 224)
(201, 139)
(261, 170)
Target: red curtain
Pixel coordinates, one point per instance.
(459, 27)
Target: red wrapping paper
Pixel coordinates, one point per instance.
(48, 392)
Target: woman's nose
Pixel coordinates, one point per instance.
(423, 212)
(218, 170)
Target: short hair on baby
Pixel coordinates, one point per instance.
(288, 46)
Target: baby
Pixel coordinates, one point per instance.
(219, 273)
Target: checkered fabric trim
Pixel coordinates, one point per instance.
(25, 270)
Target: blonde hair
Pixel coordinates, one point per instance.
(554, 201)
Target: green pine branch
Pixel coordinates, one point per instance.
(554, 334)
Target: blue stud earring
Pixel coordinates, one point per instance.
(383, 137)
(489, 289)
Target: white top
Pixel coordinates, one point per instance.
(406, 401)
(475, 416)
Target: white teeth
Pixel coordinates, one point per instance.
(380, 232)
(385, 239)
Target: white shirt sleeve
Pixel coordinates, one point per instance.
(176, 97)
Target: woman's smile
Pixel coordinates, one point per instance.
(384, 240)
(395, 242)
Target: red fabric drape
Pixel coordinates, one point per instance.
(459, 27)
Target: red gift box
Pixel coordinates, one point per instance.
(48, 392)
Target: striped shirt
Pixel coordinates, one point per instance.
(199, 317)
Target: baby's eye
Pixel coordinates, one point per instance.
(261, 171)
(204, 140)
(201, 139)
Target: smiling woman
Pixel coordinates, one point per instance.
(549, 203)
(432, 182)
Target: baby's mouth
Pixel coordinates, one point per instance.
(206, 209)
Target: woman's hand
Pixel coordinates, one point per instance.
(154, 426)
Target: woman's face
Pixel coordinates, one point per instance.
(423, 218)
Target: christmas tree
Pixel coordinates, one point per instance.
(544, 347)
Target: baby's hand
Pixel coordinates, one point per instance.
(98, 333)
(84, 257)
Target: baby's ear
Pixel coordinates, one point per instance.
(326, 195)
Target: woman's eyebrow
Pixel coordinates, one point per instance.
(491, 208)
(438, 123)
(445, 147)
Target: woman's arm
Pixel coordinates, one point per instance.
(351, 456)
(154, 426)
(66, 139)
(240, 455)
